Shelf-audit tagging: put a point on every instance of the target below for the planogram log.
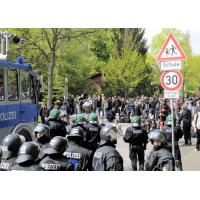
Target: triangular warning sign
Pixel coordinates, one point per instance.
(171, 50)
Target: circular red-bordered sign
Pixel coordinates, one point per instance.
(171, 80)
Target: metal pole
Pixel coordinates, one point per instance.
(66, 89)
(172, 114)
(6, 43)
(3, 46)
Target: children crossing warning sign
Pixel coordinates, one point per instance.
(171, 50)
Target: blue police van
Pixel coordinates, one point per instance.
(19, 91)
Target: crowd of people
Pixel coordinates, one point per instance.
(81, 135)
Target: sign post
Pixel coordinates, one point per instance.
(170, 57)
(172, 114)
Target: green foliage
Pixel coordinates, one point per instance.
(129, 39)
(99, 47)
(125, 72)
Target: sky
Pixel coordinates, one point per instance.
(194, 37)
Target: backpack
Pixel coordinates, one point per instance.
(131, 137)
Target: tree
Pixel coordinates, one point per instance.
(125, 72)
(130, 38)
(123, 50)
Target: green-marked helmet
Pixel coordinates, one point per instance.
(80, 119)
(136, 121)
(169, 120)
(157, 134)
(54, 113)
(93, 119)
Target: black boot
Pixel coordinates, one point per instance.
(134, 165)
(141, 167)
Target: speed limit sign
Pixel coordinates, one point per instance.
(171, 80)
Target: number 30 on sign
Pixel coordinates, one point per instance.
(171, 80)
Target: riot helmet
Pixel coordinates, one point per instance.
(93, 119)
(136, 121)
(57, 145)
(80, 119)
(157, 134)
(76, 134)
(108, 134)
(11, 144)
(169, 120)
(28, 151)
(42, 132)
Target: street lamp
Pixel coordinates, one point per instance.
(4, 37)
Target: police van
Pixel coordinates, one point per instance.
(20, 88)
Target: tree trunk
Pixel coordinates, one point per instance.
(50, 79)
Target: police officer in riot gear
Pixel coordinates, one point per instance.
(10, 146)
(57, 127)
(80, 157)
(54, 160)
(81, 121)
(178, 134)
(42, 134)
(160, 158)
(93, 132)
(27, 157)
(137, 138)
(106, 157)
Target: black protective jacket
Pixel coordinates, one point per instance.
(6, 164)
(79, 157)
(136, 136)
(158, 158)
(178, 134)
(107, 158)
(57, 128)
(92, 136)
(27, 166)
(56, 162)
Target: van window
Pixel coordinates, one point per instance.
(13, 93)
(2, 88)
(25, 85)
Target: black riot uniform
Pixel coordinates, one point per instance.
(79, 157)
(54, 160)
(160, 158)
(106, 157)
(27, 157)
(137, 138)
(93, 133)
(10, 146)
(42, 134)
(57, 128)
(178, 134)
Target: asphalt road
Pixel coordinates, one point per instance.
(190, 158)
